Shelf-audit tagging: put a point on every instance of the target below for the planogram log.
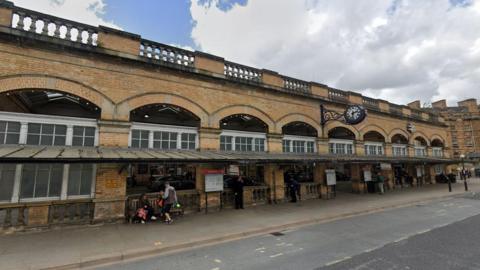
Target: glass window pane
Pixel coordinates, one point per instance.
(86, 183)
(47, 129)
(7, 178)
(90, 131)
(11, 138)
(28, 181)
(77, 141)
(3, 126)
(135, 143)
(41, 181)
(60, 140)
(13, 127)
(34, 128)
(33, 139)
(89, 141)
(74, 178)
(56, 177)
(46, 140)
(60, 129)
(144, 144)
(78, 131)
(2, 138)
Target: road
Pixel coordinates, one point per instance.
(437, 235)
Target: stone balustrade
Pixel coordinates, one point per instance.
(334, 94)
(395, 109)
(296, 85)
(241, 72)
(166, 54)
(71, 212)
(370, 103)
(46, 25)
(13, 216)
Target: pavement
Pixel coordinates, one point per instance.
(87, 246)
(384, 240)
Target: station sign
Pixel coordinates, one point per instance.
(331, 177)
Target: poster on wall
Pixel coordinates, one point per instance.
(419, 171)
(331, 177)
(385, 166)
(213, 182)
(233, 170)
(367, 175)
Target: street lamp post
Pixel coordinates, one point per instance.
(464, 175)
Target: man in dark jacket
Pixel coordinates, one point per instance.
(238, 192)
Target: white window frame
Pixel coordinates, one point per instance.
(422, 149)
(70, 122)
(335, 142)
(377, 146)
(64, 188)
(253, 135)
(403, 148)
(304, 139)
(151, 128)
(437, 151)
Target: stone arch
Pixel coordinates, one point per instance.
(296, 117)
(437, 137)
(375, 128)
(420, 135)
(220, 114)
(125, 106)
(58, 84)
(398, 131)
(333, 125)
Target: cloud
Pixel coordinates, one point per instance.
(84, 11)
(399, 50)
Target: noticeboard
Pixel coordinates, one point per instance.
(367, 175)
(331, 177)
(213, 182)
(385, 166)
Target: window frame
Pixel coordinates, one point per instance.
(377, 147)
(335, 144)
(298, 139)
(244, 134)
(152, 128)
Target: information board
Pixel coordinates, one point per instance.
(213, 182)
(367, 175)
(331, 177)
(385, 166)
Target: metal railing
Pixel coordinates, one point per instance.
(237, 71)
(166, 54)
(55, 27)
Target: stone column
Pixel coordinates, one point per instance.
(358, 186)
(273, 176)
(6, 13)
(113, 133)
(110, 192)
(275, 143)
(388, 150)
(319, 177)
(209, 138)
(359, 148)
(322, 146)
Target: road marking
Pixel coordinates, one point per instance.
(217, 261)
(424, 231)
(276, 255)
(157, 243)
(401, 239)
(337, 261)
(258, 249)
(216, 268)
(281, 244)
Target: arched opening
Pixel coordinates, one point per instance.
(374, 143)
(341, 141)
(399, 145)
(163, 127)
(420, 146)
(47, 118)
(437, 148)
(299, 137)
(164, 114)
(243, 122)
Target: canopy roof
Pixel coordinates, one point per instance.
(68, 154)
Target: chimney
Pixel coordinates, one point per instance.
(440, 104)
(470, 104)
(414, 105)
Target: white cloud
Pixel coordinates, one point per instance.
(399, 50)
(84, 11)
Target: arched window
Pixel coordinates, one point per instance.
(437, 148)
(299, 137)
(165, 127)
(374, 143)
(399, 145)
(243, 132)
(420, 145)
(341, 141)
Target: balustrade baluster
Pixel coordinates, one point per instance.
(8, 218)
(21, 21)
(89, 37)
(44, 31)
(68, 34)
(56, 33)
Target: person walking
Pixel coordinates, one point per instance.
(293, 190)
(170, 197)
(380, 183)
(238, 192)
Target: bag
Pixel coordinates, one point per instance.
(177, 205)
(142, 213)
(160, 203)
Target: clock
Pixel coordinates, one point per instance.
(354, 114)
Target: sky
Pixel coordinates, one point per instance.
(397, 50)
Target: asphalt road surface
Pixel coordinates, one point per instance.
(437, 235)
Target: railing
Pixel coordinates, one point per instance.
(71, 212)
(238, 71)
(46, 25)
(396, 109)
(337, 95)
(167, 54)
(259, 195)
(228, 198)
(296, 85)
(370, 102)
(310, 191)
(13, 216)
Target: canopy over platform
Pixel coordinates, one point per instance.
(68, 154)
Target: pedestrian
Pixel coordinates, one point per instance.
(170, 197)
(238, 192)
(161, 204)
(380, 183)
(147, 210)
(293, 189)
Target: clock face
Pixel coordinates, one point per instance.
(354, 114)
